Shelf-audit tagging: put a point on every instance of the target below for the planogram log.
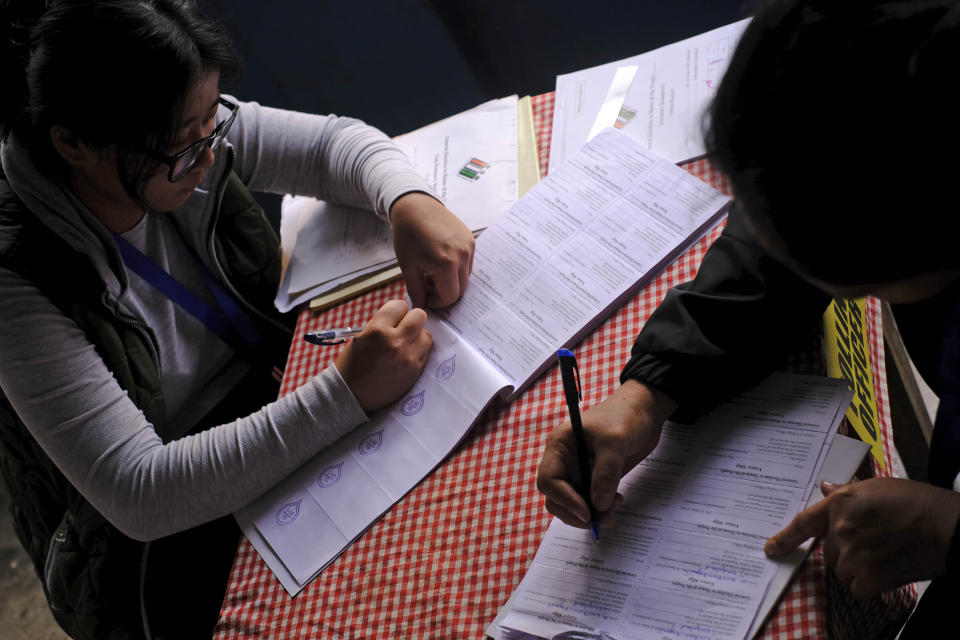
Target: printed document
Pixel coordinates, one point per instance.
(545, 273)
(669, 91)
(685, 555)
(470, 161)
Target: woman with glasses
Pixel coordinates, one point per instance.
(137, 330)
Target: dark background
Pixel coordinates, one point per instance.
(402, 64)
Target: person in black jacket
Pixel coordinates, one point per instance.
(834, 124)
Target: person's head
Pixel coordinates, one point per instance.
(123, 81)
(836, 125)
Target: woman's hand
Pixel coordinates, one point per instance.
(385, 360)
(877, 534)
(434, 250)
(621, 431)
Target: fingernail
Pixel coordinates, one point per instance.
(826, 485)
(771, 548)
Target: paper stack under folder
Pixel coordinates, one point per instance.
(479, 162)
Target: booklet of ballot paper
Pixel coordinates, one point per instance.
(545, 273)
(684, 557)
(470, 160)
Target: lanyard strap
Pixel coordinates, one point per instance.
(230, 324)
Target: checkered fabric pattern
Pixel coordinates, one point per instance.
(443, 560)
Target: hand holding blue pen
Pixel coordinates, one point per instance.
(384, 358)
(328, 337)
(570, 375)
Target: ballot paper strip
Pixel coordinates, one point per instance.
(470, 161)
(671, 88)
(685, 555)
(575, 248)
(551, 268)
(305, 522)
(841, 461)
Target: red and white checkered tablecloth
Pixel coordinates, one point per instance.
(444, 559)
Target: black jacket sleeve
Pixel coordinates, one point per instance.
(733, 324)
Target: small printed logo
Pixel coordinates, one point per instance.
(473, 169)
(288, 513)
(446, 368)
(371, 443)
(329, 476)
(625, 116)
(412, 404)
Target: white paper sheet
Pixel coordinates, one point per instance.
(841, 462)
(671, 87)
(685, 556)
(348, 486)
(469, 159)
(574, 248)
(843, 458)
(546, 272)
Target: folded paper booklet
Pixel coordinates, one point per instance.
(684, 557)
(545, 273)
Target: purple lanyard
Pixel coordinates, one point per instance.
(230, 323)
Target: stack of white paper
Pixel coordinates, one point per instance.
(470, 160)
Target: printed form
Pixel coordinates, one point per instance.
(685, 558)
(663, 93)
(545, 273)
(574, 249)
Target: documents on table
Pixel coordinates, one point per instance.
(469, 159)
(842, 460)
(546, 272)
(684, 557)
(669, 90)
(575, 248)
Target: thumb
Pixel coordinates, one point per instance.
(827, 487)
(607, 470)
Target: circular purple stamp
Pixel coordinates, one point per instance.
(371, 443)
(412, 404)
(329, 476)
(288, 513)
(446, 368)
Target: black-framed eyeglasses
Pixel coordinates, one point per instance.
(181, 163)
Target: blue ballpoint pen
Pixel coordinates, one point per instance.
(570, 374)
(331, 336)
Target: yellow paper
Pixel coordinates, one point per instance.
(848, 357)
(528, 164)
(353, 289)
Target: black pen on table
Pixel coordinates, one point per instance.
(570, 375)
(329, 337)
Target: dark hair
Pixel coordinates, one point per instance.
(113, 72)
(836, 125)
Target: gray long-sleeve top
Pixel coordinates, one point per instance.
(71, 402)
